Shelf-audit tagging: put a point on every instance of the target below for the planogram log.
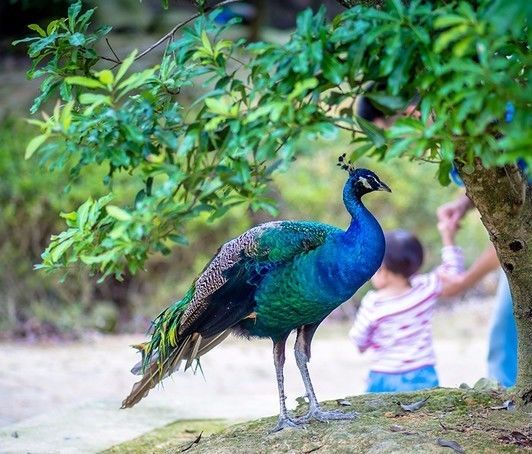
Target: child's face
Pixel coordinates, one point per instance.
(380, 278)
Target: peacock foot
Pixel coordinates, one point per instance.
(318, 414)
(285, 422)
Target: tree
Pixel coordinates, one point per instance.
(466, 64)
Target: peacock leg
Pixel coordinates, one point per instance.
(278, 359)
(302, 354)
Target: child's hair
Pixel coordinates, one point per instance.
(367, 110)
(403, 254)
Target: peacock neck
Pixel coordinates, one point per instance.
(360, 215)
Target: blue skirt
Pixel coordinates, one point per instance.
(413, 380)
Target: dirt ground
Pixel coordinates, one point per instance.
(36, 379)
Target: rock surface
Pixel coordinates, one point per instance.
(451, 420)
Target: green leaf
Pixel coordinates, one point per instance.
(101, 258)
(303, 86)
(46, 88)
(178, 239)
(83, 213)
(94, 98)
(52, 26)
(448, 20)
(205, 41)
(447, 150)
(38, 46)
(387, 103)
(84, 82)
(37, 28)
(374, 133)
(25, 40)
(136, 80)
(34, 144)
(128, 61)
(71, 216)
(57, 252)
(217, 106)
(77, 39)
(106, 77)
(66, 116)
(73, 12)
(447, 37)
(461, 47)
(421, 34)
(399, 148)
(398, 6)
(118, 213)
(407, 127)
(444, 171)
(333, 70)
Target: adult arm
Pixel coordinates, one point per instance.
(453, 285)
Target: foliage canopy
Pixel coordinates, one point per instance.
(465, 64)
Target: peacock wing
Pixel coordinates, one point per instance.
(224, 292)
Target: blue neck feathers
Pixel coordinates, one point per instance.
(360, 215)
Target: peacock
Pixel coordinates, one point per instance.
(273, 279)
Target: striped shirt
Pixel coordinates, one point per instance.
(398, 329)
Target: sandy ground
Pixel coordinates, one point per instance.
(37, 379)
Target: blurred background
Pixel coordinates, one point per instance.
(55, 329)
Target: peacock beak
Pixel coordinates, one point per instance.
(384, 187)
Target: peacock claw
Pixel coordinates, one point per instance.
(318, 414)
(284, 423)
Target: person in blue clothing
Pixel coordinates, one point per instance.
(502, 354)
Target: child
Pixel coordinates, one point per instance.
(394, 322)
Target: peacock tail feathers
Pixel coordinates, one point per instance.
(165, 338)
(167, 349)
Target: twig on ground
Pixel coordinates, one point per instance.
(196, 441)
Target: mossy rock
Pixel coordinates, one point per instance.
(464, 418)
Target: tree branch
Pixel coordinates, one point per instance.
(351, 3)
(112, 50)
(171, 33)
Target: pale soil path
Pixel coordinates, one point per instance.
(65, 398)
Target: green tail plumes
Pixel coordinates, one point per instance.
(159, 354)
(166, 349)
(164, 337)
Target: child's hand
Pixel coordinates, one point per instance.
(455, 210)
(448, 231)
(447, 227)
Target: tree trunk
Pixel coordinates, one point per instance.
(504, 199)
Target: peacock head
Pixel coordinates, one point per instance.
(361, 181)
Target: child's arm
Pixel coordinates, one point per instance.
(452, 258)
(360, 332)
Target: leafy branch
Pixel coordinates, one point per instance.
(465, 65)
